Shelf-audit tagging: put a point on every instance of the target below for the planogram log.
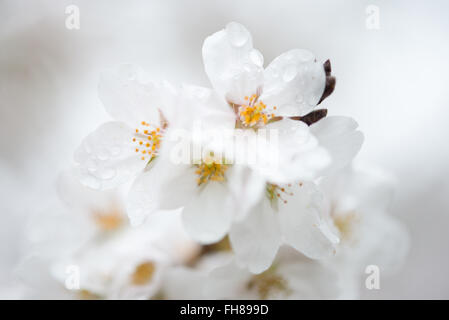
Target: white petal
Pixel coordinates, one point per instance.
(293, 153)
(178, 185)
(294, 83)
(234, 68)
(204, 107)
(143, 197)
(184, 284)
(208, 216)
(302, 222)
(340, 137)
(129, 96)
(78, 196)
(228, 282)
(247, 188)
(308, 279)
(107, 157)
(256, 239)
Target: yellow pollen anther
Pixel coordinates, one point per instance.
(149, 138)
(275, 193)
(210, 171)
(143, 273)
(268, 283)
(108, 221)
(253, 113)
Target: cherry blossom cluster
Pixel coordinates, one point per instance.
(175, 198)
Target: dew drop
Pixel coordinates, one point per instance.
(103, 155)
(92, 169)
(107, 173)
(256, 57)
(237, 34)
(91, 182)
(91, 165)
(289, 73)
(248, 67)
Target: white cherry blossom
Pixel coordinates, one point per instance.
(118, 150)
(358, 199)
(291, 85)
(218, 276)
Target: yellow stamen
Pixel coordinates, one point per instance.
(143, 273)
(210, 171)
(108, 221)
(267, 283)
(149, 140)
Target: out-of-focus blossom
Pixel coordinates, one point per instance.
(93, 241)
(217, 276)
(358, 200)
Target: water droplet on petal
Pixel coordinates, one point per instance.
(91, 182)
(248, 67)
(275, 72)
(107, 173)
(92, 169)
(256, 57)
(237, 34)
(289, 73)
(103, 155)
(91, 165)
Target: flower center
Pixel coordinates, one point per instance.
(275, 192)
(108, 221)
(253, 112)
(88, 295)
(210, 171)
(267, 283)
(148, 139)
(346, 223)
(143, 273)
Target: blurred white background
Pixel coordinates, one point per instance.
(391, 80)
